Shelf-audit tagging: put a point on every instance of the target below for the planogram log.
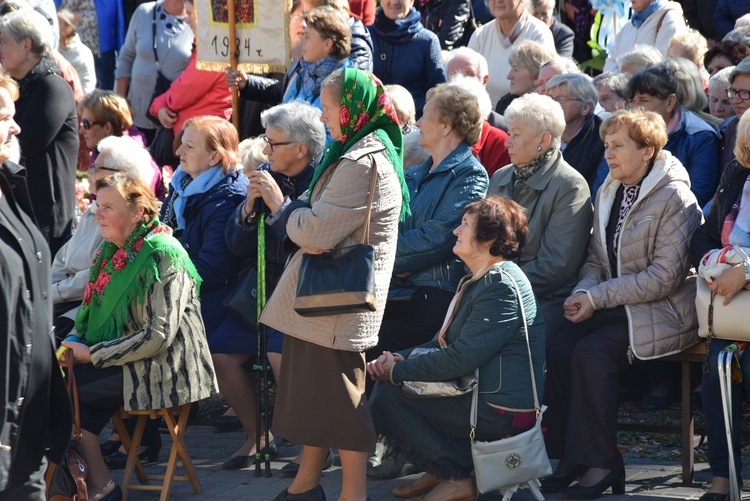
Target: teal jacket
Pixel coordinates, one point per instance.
(487, 332)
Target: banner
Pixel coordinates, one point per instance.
(262, 42)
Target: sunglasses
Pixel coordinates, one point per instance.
(87, 124)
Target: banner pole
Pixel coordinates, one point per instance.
(233, 55)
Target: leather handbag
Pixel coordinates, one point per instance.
(340, 281)
(66, 481)
(242, 302)
(720, 321)
(521, 459)
(434, 389)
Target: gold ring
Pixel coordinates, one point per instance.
(260, 181)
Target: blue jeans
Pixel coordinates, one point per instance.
(104, 64)
(718, 453)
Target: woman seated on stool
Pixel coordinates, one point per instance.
(139, 341)
(483, 326)
(632, 299)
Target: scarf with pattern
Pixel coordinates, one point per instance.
(521, 174)
(366, 109)
(120, 275)
(313, 75)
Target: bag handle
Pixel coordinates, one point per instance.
(73, 391)
(153, 36)
(370, 196)
(475, 396)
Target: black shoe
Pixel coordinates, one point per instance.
(613, 479)
(290, 469)
(554, 484)
(117, 460)
(226, 423)
(314, 494)
(239, 462)
(109, 447)
(714, 496)
(113, 495)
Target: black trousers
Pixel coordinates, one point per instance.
(584, 363)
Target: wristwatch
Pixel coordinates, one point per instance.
(746, 270)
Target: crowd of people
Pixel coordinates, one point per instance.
(520, 211)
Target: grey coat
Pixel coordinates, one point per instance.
(558, 203)
(653, 262)
(336, 219)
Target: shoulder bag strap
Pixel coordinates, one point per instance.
(153, 36)
(73, 391)
(475, 396)
(370, 196)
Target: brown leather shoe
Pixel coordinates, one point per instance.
(422, 486)
(452, 490)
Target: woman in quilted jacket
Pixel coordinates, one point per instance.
(632, 299)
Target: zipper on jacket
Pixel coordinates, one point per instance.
(630, 355)
(647, 218)
(676, 314)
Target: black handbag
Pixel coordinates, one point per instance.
(242, 302)
(66, 480)
(340, 281)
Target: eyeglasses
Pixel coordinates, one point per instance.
(743, 94)
(87, 124)
(563, 100)
(271, 145)
(98, 167)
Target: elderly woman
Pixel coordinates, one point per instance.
(654, 22)
(555, 66)
(293, 140)
(74, 50)
(46, 113)
(555, 196)
(724, 228)
(137, 69)
(205, 190)
(105, 113)
(484, 331)
(692, 141)
(403, 104)
(718, 102)
(613, 91)
(325, 49)
(126, 355)
(580, 143)
(323, 356)
(564, 37)
(632, 299)
(691, 85)
(405, 52)
(723, 55)
(738, 94)
(195, 92)
(638, 58)
(426, 272)
(525, 58)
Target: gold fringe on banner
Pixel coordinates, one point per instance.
(246, 67)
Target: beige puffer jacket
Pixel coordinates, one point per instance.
(653, 261)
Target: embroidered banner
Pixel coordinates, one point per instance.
(262, 40)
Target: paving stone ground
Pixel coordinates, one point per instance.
(646, 478)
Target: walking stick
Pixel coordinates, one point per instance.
(261, 365)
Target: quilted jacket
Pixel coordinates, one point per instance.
(653, 261)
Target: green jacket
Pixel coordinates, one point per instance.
(487, 332)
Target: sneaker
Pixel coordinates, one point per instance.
(393, 466)
(375, 458)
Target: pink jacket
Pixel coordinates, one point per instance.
(195, 93)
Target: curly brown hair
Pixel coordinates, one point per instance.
(502, 222)
(458, 108)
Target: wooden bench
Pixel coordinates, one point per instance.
(687, 358)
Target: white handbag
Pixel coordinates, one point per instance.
(723, 322)
(521, 460)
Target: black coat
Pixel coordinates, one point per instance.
(586, 151)
(46, 113)
(448, 19)
(37, 419)
(564, 38)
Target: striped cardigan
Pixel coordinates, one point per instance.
(164, 353)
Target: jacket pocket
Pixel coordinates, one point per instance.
(675, 313)
(647, 218)
(499, 377)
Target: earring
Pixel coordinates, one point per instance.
(539, 148)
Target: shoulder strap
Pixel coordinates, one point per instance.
(370, 196)
(475, 396)
(73, 391)
(661, 20)
(153, 35)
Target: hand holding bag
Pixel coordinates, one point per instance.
(521, 459)
(340, 281)
(718, 320)
(434, 389)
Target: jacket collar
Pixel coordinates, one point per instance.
(539, 180)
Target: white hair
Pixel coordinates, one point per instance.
(540, 113)
(127, 155)
(476, 89)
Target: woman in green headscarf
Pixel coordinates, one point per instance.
(321, 402)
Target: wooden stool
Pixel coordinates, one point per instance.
(176, 429)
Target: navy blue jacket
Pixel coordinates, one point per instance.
(726, 13)
(206, 215)
(425, 238)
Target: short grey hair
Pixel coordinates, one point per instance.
(541, 113)
(414, 154)
(531, 55)
(615, 81)
(402, 102)
(566, 64)
(126, 154)
(741, 21)
(720, 79)
(742, 68)
(300, 122)
(28, 23)
(533, 4)
(689, 76)
(472, 55)
(476, 89)
(580, 87)
(739, 34)
(251, 153)
(641, 56)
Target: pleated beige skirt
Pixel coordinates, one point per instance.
(321, 398)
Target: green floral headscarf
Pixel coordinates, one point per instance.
(366, 109)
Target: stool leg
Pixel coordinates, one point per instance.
(134, 462)
(178, 439)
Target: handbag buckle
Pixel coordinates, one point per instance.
(472, 432)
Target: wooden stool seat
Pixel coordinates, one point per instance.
(176, 427)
